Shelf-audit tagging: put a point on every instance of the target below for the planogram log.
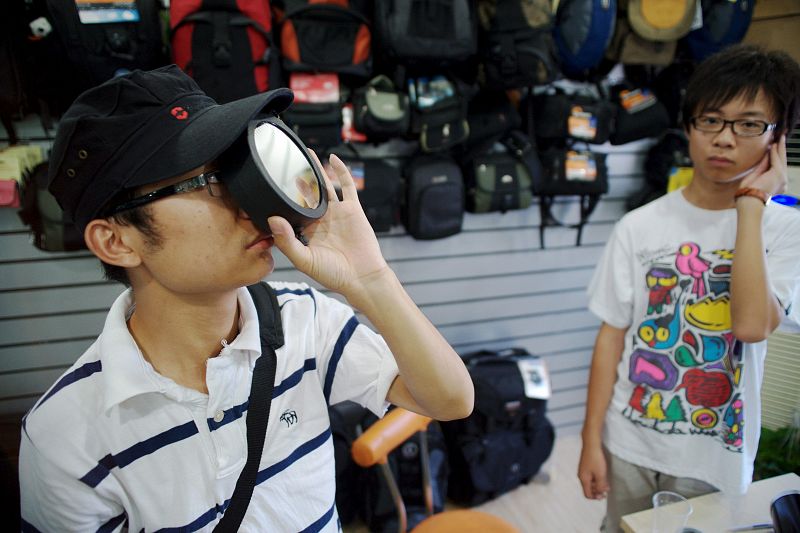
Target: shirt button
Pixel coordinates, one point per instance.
(219, 416)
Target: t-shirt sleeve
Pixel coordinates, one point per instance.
(356, 363)
(611, 287)
(783, 265)
(52, 499)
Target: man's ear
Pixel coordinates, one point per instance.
(109, 242)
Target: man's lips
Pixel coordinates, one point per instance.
(720, 161)
(262, 241)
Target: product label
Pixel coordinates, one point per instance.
(107, 11)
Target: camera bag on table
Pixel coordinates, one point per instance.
(378, 184)
(506, 439)
(570, 172)
(380, 111)
(433, 203)
(502, 179)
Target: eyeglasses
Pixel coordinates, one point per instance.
(743, 127)
(207, 180)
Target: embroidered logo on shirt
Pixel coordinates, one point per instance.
(289, 416)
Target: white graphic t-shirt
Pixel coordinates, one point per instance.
(687, 397)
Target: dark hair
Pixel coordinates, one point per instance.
(140, 218)
(743, 70)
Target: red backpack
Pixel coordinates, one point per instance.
(223, 44)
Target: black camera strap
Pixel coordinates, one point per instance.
(271, 333)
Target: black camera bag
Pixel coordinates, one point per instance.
(434, 197)
(319, 125)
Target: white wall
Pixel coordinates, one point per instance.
(487, 287)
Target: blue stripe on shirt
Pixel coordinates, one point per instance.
(338, 349)
(76, 375)
(237, 411)
(303, 450)
(321, 522)
(299, 292)
(176, 434)
(295, 377)
(112, 524)
(137, 451)
(300, 452)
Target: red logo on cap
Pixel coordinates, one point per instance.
(179, 113)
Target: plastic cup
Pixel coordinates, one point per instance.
(670, 512)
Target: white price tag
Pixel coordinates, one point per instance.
(535, 377)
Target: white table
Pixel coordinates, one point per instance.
(716, 512)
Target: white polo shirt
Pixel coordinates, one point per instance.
(114, 445)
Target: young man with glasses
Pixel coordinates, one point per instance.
(688, 289)
(147, 430)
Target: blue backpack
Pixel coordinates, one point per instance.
(725, 22)
(582, 32)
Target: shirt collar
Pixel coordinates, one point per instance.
(126, 373)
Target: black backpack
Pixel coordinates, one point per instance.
(429, 32)
(505, 440)
(326, 36)
(102, 43)
(516, 46)
(347, 421)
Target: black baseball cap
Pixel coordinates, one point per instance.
(140, 128)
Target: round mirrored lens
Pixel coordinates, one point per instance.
(287, 165)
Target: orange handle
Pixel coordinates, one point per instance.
(385, 435)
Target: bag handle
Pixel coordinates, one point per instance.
(271, 334)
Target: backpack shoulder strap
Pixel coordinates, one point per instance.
(271, 332)
(269, 314)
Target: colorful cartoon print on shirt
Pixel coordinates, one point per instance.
(660, 282)
(685, 363)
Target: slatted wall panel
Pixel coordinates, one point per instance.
(490, 286)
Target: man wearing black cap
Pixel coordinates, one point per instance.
(146, 431)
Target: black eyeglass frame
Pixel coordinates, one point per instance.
(768, 126)
(205, 179)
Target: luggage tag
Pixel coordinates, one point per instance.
(581, 124)
(580, 166)
(534, 377)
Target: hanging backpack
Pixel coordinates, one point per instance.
(426, 31)
(52, 232)
(582, 32)
(516, 44)
(223, 44)
(102, 42)
(326, 36)
(725, 22)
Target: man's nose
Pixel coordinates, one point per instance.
(726, 137)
